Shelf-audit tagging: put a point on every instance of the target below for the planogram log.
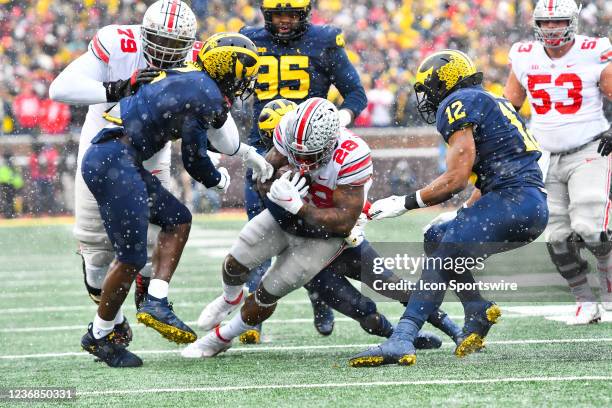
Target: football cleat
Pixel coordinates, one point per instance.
(323, 317)
(142, 287)
(476, 328)
(392, 351)
(107, 349)
(586, 313)
(217, 310)
(251, 336)
(208, 346)
(427, 341)
(158, 315)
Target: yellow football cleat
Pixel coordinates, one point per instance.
(251, 336)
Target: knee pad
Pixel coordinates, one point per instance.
(93, 277)
(234, 273)
(377, 324)
(602, 247)
(566, 257)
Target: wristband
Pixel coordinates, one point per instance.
(414, 201)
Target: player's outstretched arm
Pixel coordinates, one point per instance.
(460, 158)
(347, 80)
(605, 81)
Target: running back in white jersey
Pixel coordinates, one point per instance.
(351, 164)
(564, 94)
(119, 48)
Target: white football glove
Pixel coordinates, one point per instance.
(357, 234)
(214, 157)
(262, 170)
(439, 219)
(300, 183)
(389, 207)
(225, 180)
(286, 194)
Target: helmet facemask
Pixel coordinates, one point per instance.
(310, 161)
(556, 37)
(425, 103)
(164, 51)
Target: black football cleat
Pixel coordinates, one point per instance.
(107, 349)
(323, 317)
(140, 291)
(158, 315)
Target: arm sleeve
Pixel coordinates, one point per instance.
(345, 77)
(195, 159)
(226, 139)
(81, 82)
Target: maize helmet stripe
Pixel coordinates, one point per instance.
(304, 121)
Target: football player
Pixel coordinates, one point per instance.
(511, 208)
(331, 284)
(564, 76)
(119, 59)
(299, 60)
(181, 103)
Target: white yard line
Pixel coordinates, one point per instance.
(266, 349)
(345, 385)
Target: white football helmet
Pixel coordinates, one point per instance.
(312, 133)
(168, 31)
(556, 10)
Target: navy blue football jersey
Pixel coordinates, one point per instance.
(506, 152)
(181, 103)
(304, 68)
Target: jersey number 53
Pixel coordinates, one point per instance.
(285, 75)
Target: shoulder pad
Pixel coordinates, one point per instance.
(356, 168)
(328, 36)
(100, 45)
(254, 33)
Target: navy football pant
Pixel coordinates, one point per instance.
(500, 221)
(129, 197)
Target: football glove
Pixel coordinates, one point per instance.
(605, 144)
(262, 170)
(225, 180)
(286, 192)
(389, 207)
(357, 234)
(115, 90)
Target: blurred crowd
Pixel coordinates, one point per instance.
(385, 40)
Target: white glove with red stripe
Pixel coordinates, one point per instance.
(287, 193)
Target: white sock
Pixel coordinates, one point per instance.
(158, 288)
(119, 317)
(102, 327)
(234, 328)
(232, 293)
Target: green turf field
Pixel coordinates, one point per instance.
(529, 361)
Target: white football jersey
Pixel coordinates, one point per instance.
(350, 163)
(566, 102)
(119, 47)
